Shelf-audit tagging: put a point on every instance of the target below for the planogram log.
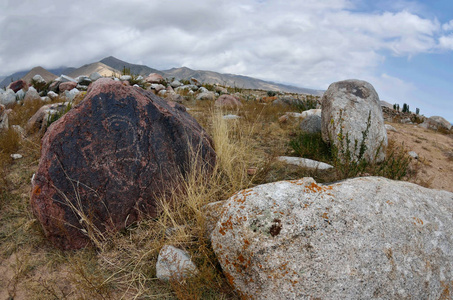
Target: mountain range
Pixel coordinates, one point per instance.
(112, 66)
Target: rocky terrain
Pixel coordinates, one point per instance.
(111, 65)
(142, 186)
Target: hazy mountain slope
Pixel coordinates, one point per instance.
(13, 77)
(99, 67)
(62, 70)
(48, 76)
(135, 69)
(235, 80)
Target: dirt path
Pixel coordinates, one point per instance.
(435, 151)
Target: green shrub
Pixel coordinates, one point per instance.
(311, 145)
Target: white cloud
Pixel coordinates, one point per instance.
(446, 42)
(448, 26)
(309, 43)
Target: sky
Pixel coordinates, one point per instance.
(403, 48)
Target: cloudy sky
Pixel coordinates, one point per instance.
(404, 48)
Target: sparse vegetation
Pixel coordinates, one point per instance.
(122, 265)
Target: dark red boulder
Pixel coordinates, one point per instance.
(18, 85)
(110, 157)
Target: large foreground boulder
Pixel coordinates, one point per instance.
(362, 238)
(352, 121)
(105, 163)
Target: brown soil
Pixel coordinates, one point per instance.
(435, 151)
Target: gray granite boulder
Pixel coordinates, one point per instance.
(352, 121)
(8, 97)
(31, 95)
(95, 76)
(362, 238)
(311, 124)
(206, 96)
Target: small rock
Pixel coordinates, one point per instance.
(16, 156)
(294, 114)
(126, 78)
(283, 119)
(206, 96)
(31, 95)
(18, 85)
(390, 128)
(20, 95)
(413, 154)
(8, 97)
(84, 80)
(228, 101)
(230, 117)
(95, 76)
(38, 79)
(175, 84)
(157, 87)
(174, 264)
(154, 78)
(251, 171)
(70, 95)
(52, 95)
(304, 162)
(311, 112)
(67, 86)
(311, 124)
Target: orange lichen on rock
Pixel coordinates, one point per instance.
(227, 225)
(314, 188)
(418, 221)
(36, 190)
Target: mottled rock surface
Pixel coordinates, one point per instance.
(8, 97)
(362, 238)
(111, 157)
(228, 101)
(174, 264)
(311, 124)
(18, 85)
(351, 110)
(67, 86)
(154, 78)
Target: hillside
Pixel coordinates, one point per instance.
(99, 67)
(48, 76)
(118, 64)
(111, 65)
(235, 81)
